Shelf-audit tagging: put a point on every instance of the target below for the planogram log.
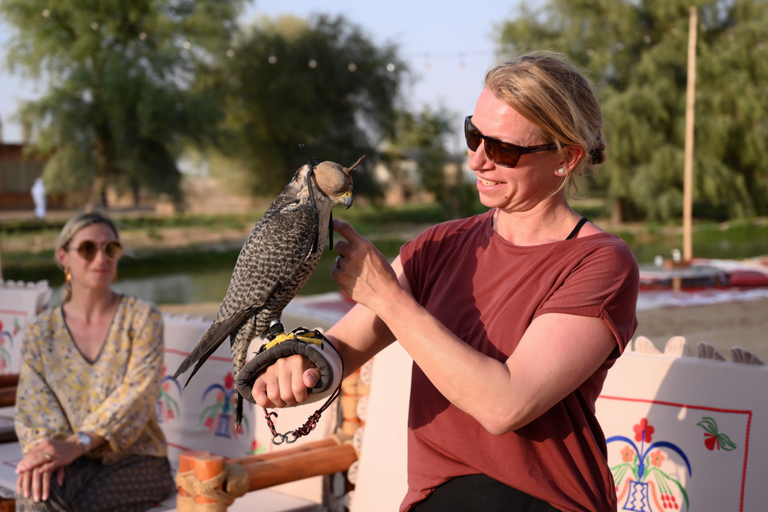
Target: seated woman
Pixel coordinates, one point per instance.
(88, 387)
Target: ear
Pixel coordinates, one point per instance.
(62, 257)
(573, 155)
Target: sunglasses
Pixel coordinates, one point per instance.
(88, 249)
(504, 154)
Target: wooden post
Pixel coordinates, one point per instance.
(689, 124)
(185, 502)
(207, 467)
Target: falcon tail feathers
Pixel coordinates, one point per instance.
(209, 342)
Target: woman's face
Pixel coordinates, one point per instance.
(97, 273)
(533, 179)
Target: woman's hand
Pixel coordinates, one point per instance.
(39, 464)
(362, 271)
(285, 383)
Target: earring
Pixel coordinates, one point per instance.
(67, 294)
(561, 171)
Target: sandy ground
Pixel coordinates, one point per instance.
(743, 324)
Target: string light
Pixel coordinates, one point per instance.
(391, 67)
(272, 59)
(312, 63)
(352, 67)
(230, 53)
(187, 45)
(143, 36)
(46, 13)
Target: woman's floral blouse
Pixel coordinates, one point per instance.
(60, 392)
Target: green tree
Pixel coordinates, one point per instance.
(636, 51)
(119, 104)
(321, 83)
(422, 139)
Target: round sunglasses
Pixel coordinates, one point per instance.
(88, 249)
(504, 154)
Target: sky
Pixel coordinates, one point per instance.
(448, 46)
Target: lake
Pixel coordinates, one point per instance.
(187, 279)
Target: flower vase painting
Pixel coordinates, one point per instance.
(642, 484)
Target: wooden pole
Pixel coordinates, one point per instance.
(321, 461)
(7, 396)
(9, 379)
(303, 448)
(689, 124)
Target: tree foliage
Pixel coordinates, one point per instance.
(321, 83)
(636, 52)
(119, 102)
(422, 139)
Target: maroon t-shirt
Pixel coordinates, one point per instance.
(487, 291)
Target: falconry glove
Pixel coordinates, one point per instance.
(310, 344)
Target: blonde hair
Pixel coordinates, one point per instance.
(73, 227)
(555, 96)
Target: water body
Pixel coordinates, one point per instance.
(189, 280)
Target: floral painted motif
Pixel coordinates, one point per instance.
(712, 436)
(6, 342)
(640, 477)
(218, 417)
(167, 407)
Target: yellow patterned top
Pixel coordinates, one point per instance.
(61, 392)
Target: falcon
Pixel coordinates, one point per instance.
(276, 260)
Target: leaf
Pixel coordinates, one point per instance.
(725, 442)
(709, 425)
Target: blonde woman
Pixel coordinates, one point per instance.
(88, 387)
(512, 317)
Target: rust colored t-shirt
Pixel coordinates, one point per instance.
(487, 291)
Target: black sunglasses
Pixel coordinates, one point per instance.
(504, 154)
(88, 249)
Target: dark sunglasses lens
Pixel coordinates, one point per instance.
(471, 135)
(502, 154)
(113, 250)
(87, 250)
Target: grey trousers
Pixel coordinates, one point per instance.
(134, 484)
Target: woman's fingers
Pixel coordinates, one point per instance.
(285, 383)
(46, 485)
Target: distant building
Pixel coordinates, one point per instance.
(18, 173)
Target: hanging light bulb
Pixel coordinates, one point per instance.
(352, 67)
(187, 45)
(94, 26)
(391, 67)
(46, 13)
(143, 36)
(272, 59)
(312, 63)
(230, 53)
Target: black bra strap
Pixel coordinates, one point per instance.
(575, 231)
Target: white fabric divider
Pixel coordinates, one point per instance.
(694, 423)
(20, 302)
